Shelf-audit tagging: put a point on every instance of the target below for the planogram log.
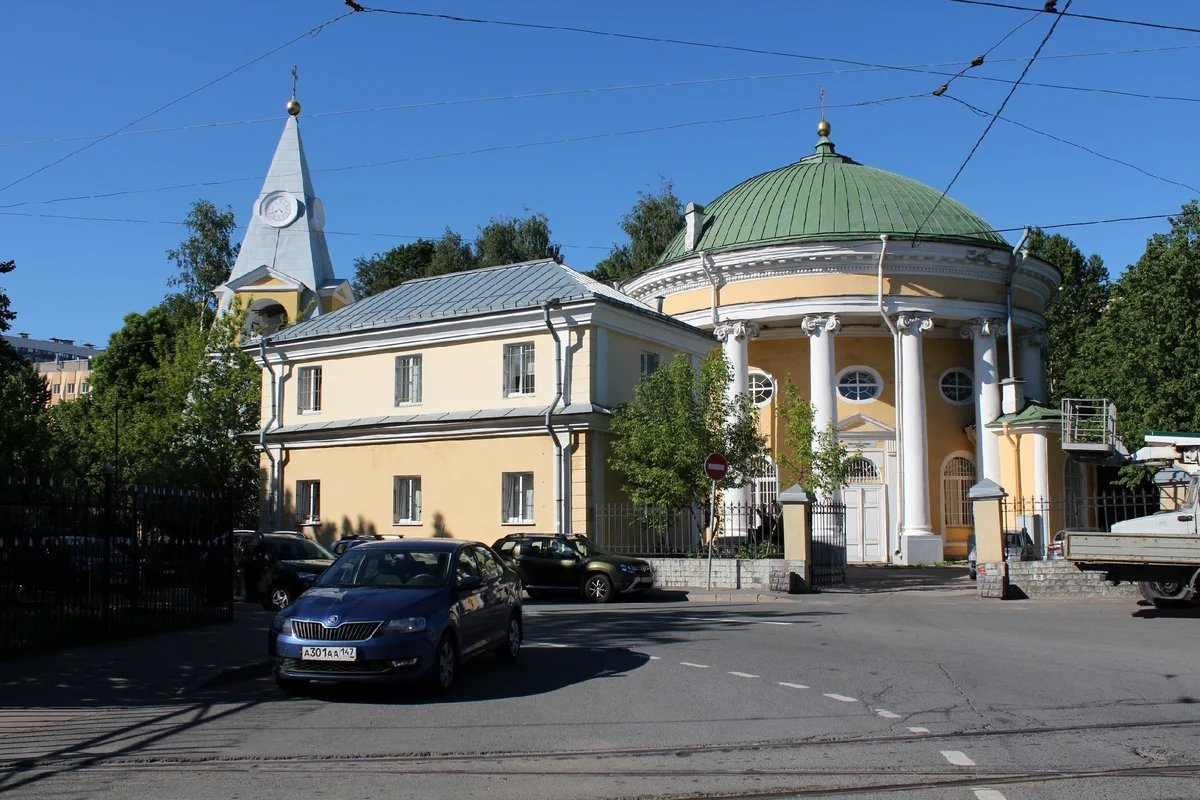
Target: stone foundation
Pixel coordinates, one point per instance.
(770, 574)
(1047, 579)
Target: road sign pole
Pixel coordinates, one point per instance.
(712, 529)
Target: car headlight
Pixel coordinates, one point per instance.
(307, 576)
(629, 569)
(404, 625)
(283, 625)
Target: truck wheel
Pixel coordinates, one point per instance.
(1167, 594)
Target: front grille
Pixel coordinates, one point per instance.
(346, 632)
(296, 666)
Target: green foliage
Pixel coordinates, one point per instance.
(207, 256)
(650, 225)
(6, 313)
(504, 240)
(24, 398)
(1076, 310)
(675, 420)
(817, 461)
(1143, 353)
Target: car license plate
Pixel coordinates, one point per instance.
(329, 653)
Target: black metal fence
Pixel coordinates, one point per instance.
(1033, 528)
(828, 543)
(83, 563)
(740, 531)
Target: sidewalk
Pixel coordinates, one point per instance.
(162, 668)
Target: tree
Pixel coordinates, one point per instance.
(6, 313)
(508, 240)
(25, 397)
(650, 225)
(816, 460)
(676, 418)
(382, 271)
(1081, 300)
(452, 254)
(1144, 352)
(207, 256)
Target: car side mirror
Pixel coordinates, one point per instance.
(469, 583)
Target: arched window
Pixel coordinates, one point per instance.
(764, 484)
(957, 386)
(861, 470)
(859, 384)
(958, 476)
(762, 387)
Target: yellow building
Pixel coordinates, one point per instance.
(887, 303)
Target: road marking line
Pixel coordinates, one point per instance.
(768, 622)
(883, 712)
(988, 794)
(842, 698)
(655, 658)
(739, 621)
(919, 730)
(792, 685)
(545, 644)
(958, 758)
(690, 664)
(743, 674)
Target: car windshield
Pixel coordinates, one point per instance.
(412, 569)
(296, 549)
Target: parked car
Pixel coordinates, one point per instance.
(346, 542)
(276, 568)
(400, 610)
(553, 562)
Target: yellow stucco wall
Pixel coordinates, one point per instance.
(460, 485)
(625, 363)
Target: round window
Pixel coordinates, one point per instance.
(858, 384)
(957, 386)
(762, 388)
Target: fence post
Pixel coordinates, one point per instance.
(987, 498)
(797, 528)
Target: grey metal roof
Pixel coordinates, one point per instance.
(526, 285)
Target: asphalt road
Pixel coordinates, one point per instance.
(924, 693)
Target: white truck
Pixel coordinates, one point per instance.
(1160, 552)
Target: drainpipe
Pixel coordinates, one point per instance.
(715, 287)
(272, 494)
(898, 383)
(558, 388)
(1013, 264)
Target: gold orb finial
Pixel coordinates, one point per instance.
(293, 107)
(823, 128)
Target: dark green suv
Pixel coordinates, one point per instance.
(553, 562)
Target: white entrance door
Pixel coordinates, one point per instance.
(865, 504)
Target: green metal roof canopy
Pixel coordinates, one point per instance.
(829, 197)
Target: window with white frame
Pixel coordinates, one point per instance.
(308, 502)
(57, 388)
(958, 476)
(309, 390)
(518, 369)
(957, 386)
(859, 384)
(649, 364)
(517, 497)
(761, 387)
(408, 380)
(83, 387)
(861, 470)
(406, 500)
(70, 388)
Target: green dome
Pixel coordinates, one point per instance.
(829, 197)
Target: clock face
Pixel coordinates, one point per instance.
(279, 209)
(316, 211)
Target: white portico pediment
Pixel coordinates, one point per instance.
(861, 427)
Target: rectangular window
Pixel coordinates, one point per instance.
(310, 389)
(308, 502)
(57, 388)
(649, 364)
(518, 497)
(70, 388)
(518, 369)
(83, 388)
(408, 380)
(406, 500)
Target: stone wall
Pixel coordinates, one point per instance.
(1056, 579)
(727, 573)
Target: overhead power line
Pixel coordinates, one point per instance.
(1063, 13)
(991, 122)
(982, 113)
(180, 99)
(481, 150)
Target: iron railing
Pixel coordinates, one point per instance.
(1034, 527)
(828, 552)
(83, 563)
(740, 531)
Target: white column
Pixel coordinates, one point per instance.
(821, 370)
(1031, 368)
(735, 339)
(983, 334)
(919, 544)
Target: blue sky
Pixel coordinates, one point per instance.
(75, 69)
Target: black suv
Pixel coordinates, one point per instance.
(552, 562)
(276, 568)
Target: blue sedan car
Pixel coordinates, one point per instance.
(390, 611)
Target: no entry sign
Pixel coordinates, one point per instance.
(716, 466)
